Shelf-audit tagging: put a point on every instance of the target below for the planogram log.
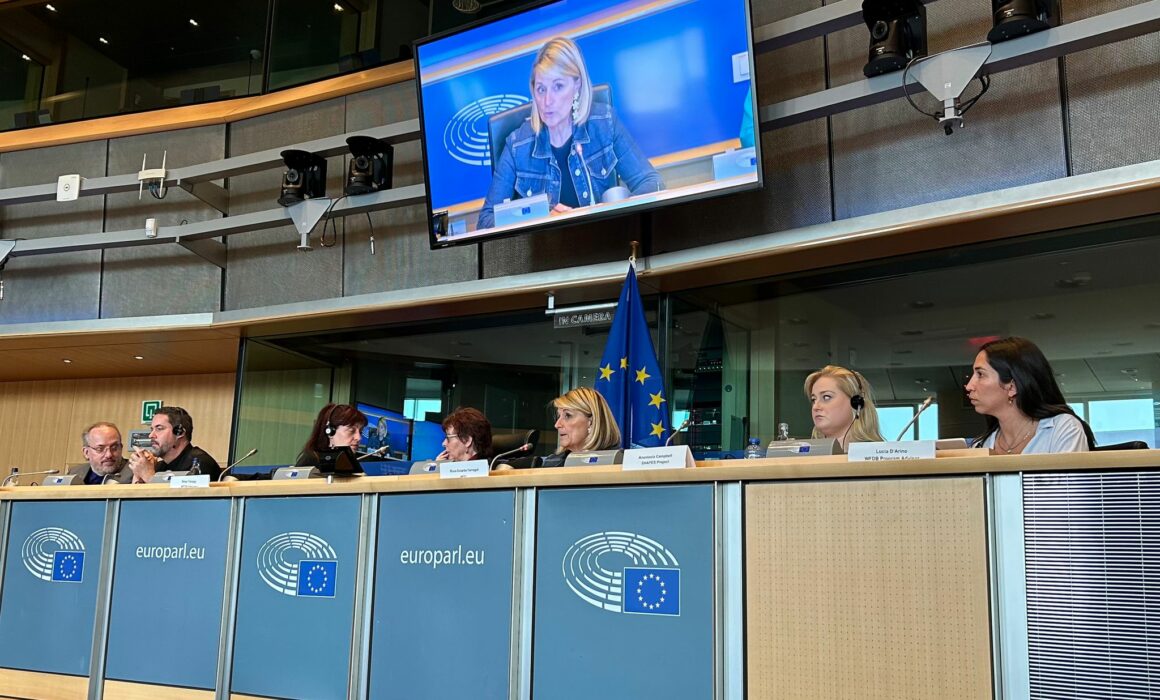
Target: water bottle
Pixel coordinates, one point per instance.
(753, 449)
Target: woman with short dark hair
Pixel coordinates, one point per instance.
(467, 436)
(1013, 387)
(337, 425)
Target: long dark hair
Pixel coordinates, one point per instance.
(333, 415)
(1038, 395)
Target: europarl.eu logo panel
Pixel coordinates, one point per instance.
(651, 585)
(299, 564)
(54, 554)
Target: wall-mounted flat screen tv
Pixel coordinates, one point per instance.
(577, 109)
(386, 430)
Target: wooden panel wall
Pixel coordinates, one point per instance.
(41, 421)
(874, 590)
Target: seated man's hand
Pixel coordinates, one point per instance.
(143, 465)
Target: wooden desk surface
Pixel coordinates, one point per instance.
(948, 463)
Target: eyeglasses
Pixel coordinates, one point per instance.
(451, 436)
(102, 449)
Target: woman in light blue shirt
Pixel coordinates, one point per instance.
(1013, 387)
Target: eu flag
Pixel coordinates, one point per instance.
(629, 376)
(316, 578)
(652, 590)
(68, 566)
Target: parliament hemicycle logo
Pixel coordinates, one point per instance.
(54, 554)
(299, 564)
(465, 136)
(650, 586)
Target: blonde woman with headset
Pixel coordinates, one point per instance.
(842, 406)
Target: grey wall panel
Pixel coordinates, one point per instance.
(130, 273)
(587, 244)
(1113, 96)
(795, 160)
(403, 257)
(890, 156)
(52, 287)
(265, 267)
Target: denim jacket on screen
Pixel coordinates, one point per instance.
(527, 166)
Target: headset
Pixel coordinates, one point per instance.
(331, 428)
(856, 401)
(183, 417)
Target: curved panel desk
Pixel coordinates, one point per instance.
(964, 576)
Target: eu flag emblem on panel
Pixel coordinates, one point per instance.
(316, 578)
(629, 376)
(652, 590)
(68, 566)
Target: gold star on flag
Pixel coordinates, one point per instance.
(656, 399)
(624, 363)
(606, 372)
(657, 429)
(642, 375)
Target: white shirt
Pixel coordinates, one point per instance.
(1060, 433)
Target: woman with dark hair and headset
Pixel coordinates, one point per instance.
(1013, 387)
(842, 406)
(337, 425)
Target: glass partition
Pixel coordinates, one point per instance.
(736, 356)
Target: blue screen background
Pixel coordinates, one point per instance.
(671, 75)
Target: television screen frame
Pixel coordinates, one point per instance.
(522, 49)
(373, 413)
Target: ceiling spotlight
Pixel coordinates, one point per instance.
(138, 357)
(67, 361)
(338, 8)
(102, 39)
(25, 57)
(305, 177)
(466, 6)
(50, 8)
(897, 34)
(193, 22)
(1016, 18)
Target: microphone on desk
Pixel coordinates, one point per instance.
(680, 427)
(368, 455)
(16, 474)
(246, 456)
(923, 407)
(526, 447)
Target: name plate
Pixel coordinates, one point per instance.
(463, 470)
(189, 481)
(891, 451)
(673, 457)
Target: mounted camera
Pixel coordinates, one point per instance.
(1015, 18)
(897, 34)
(305, 177)
(370, 168)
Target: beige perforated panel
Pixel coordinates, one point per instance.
(867, 589)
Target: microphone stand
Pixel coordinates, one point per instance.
(246, 456)
(16, 475)
(526, 447)
(923, 407)
(680, 427)
(368, 455)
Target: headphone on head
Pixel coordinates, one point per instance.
(183, 416)
(331, 428)
(856, 401)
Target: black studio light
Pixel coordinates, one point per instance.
(897, 34)
(370, 165)
(1016, 18)
(305, 177)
